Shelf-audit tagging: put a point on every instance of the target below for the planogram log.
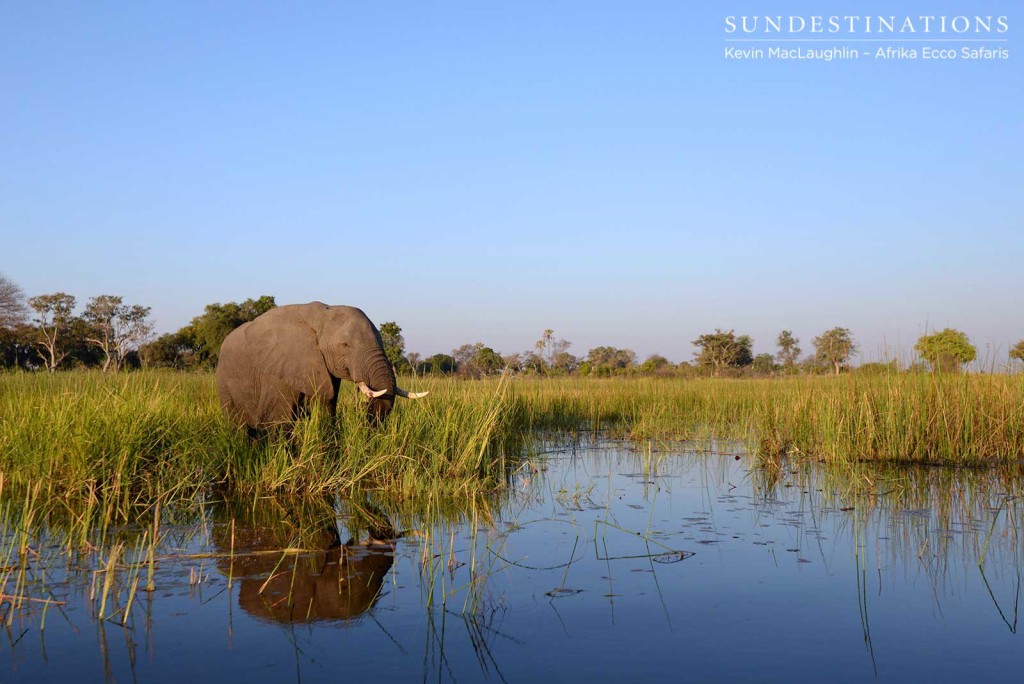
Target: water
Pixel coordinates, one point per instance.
(603, 564)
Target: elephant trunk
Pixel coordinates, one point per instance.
(380, 376)
(379, 373)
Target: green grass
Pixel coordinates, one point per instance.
(97, 467)
(906, 418)
(118, 442)
(111, 444)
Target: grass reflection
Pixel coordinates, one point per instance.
(584, 522)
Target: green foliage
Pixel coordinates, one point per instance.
(54, 314)
(204, 335)
(655, 363)
(533, 363)
(170, 350)
(486, 361)
(552, 355)
(116, 327)
(764, 364)
(720, 350)
(835, 347)
(789, 350)
(58, 306)
(439, 364)
(604, 361)
(80, 351)
(394, 346)
(878, 368)
(477, 360)
(1017, 352)
(18, 348)
(947, 350)
(564, 363)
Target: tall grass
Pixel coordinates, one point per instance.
(117, 442)
(113, 444)
(83, 453)
(970, 420)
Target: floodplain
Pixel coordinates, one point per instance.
(606, 529)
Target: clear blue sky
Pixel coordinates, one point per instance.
(483, 171)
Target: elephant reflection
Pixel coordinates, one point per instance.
(330, 581)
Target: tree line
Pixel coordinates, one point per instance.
(45, 332)
(718, 354)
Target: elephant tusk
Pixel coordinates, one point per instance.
(365, 389)
(410, 395)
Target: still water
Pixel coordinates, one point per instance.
(605, 562)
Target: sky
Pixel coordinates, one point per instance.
(481, 172)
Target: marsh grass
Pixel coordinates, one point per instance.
(108, 446)
(963, 420)
(49, 550)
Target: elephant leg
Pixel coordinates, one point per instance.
(323, 394)
(332, 401)
(277, 405)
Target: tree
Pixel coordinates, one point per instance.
(80, 352)
(486, 361)
(17, 340)
(206, 333)
(655, 363)
(764, 364)
(812, 365)
(947, 350)
(413, 359)
(53, 317)
(477, 360)
(12, 303)
(440, 364)
(835, 347)
(543, 343)
(464, 354)
(167, 351)
(394, 346)
(548, 349)
(719, 350)
(532, 362)
(564, 363)
(18, 347)
(789, 350)
(116, 327)
(1017, 352)
(514, 362)
(609, 361)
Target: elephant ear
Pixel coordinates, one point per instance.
(287, 351)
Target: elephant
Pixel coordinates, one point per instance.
(273, 368)
(304, 574)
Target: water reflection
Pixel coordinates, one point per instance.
(603, 560)
(296, 568)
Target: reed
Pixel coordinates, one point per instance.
(111, 447)
(963, 420)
